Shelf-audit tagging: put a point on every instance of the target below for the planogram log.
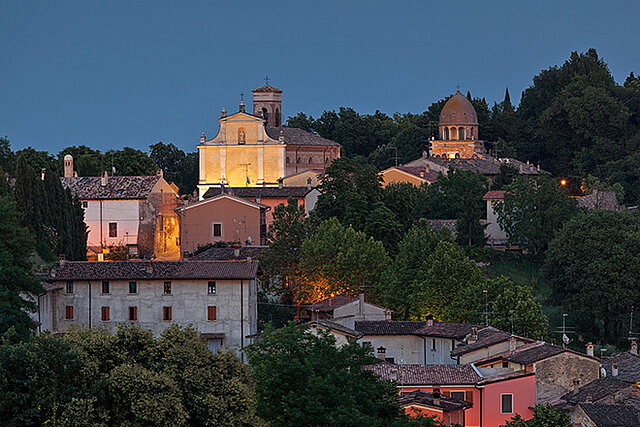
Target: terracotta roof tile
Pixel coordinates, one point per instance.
(219, 254)
(117, 187)
(596, 390)
(447, 330)
(296, 136)
(335, 326)
(331, 303)
(153, 270)
(259, 192)
(389, 327)
(494, 195)
(267, 88)
(426, 374)
(612, 415)
(487, 336)
(600, 200)
(628, 366)
(420, 397)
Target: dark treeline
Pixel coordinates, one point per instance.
(574, 120)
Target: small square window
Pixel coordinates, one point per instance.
(366, 344)
(105, 287)
(105, 314)
(458, 395)
(68, 312)
(69, 287)
(133, 313)
(506, 403)
(85, 204)
(133, 287)
(113, 229)
(217, 229)
(166, 313)
(211, 288)
(167, 288)
(505, 364)
(211, 312)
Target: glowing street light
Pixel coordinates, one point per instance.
(563, 182)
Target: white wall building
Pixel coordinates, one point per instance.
(218, 298)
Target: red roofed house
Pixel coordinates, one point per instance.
(420, 403)
(494, 400)
(345, 310)
(136, 212)
(416, 175)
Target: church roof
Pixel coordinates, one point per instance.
(267, 88)
(295, 136)
(458, 111)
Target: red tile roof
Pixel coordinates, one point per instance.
(420, 397)
(494, 195)
(427, 374)
(295, 136)
(331, 303)
(117, 187)
(153, 270)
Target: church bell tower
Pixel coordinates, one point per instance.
(267, 103)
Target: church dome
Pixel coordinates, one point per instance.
(458, 111)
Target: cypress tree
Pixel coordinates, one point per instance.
(506, 104)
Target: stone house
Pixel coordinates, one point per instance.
(494, 400)
(218, 298)
(414, 342)
(558, 370)
(136, 212)
(342, 334)
(414, 175)
(222, 218)
(345, 310)
(484, 342)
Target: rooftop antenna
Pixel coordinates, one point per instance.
(395, 149)
(266, 79)
(631, 323)
(458, 87)
(486, 307)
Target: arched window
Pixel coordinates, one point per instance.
(446, 134)
(472, 136)
(264, 113)
(461, 133)
(457, 155)
(454, 133)
(241, 136)
(277, 118)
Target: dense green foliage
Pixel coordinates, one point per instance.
(543, 416)
(178, 167)
(593, 264)
(16, 279)
(305, 379)
(90, 377)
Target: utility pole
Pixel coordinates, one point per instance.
(486, 307)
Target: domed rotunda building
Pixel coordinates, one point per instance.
(458, 130)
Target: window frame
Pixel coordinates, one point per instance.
(457, 392)
(502, 396)
(212, 285)
(108, 287)
(166, 286)
(212, 313)
(115, 229)
(135, 285)
(105, 314)
(133, 313)
(213, 229)
(69, 287)
(167, 315)
(85, 204)
(69, 309)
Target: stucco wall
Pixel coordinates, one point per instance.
(392, 176)
(485, 352)
(410, 349)
(123, 212)
(189, 301)
(348, 314)
(524, 398)
(495, 234)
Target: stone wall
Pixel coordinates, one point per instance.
(557, 375)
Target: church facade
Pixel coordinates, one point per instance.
(253, 150)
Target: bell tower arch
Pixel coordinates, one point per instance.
(267, 103)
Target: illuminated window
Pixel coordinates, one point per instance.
(211, 288)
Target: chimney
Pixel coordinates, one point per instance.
(160, 173)
(68, 166)
(590, 349)
(280, 182)
(203, 138)
(614, 370)
(633, 349)
(75, 174)
(512, 343)
(429, 319)
(436, 396)
(589, 399)
(421, 174)
(103, 179)
(474, 336)
(309, 183)
(382, 353)
(223, 113)
(281, 137)
(236, 252)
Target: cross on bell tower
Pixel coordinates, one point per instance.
(267, 103)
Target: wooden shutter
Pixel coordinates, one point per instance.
(211, 314)
(68, 312)
(133, 313)
(468, 396)
(105, 313)
(166, 313)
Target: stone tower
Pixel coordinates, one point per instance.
(457, 130)
(267, 103)
(68, 165)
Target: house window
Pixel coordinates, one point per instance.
(105, 287)
(389, 360)
(113, 229)
(459, 395)
(133, 313)
(166, 313)
(366, 344)
(167, 288)
(433, 344)
(506, 403)
(68, 312)
(453, 345)
(216, 229)
(69, 286)
(211, 312)
(105, 313)
(211, 288)
(505, 364)
(85, 204)
(133, 287)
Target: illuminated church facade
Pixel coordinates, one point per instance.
(254, 150)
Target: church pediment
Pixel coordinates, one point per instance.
(241, 117)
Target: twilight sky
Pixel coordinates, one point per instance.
(110, 74)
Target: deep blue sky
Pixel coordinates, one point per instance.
(111, 74)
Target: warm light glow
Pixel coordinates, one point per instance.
(563, 182)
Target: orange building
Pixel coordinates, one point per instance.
(415, 175)
(420, 403)
(223, 218)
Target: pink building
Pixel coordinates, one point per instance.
(494, 400)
